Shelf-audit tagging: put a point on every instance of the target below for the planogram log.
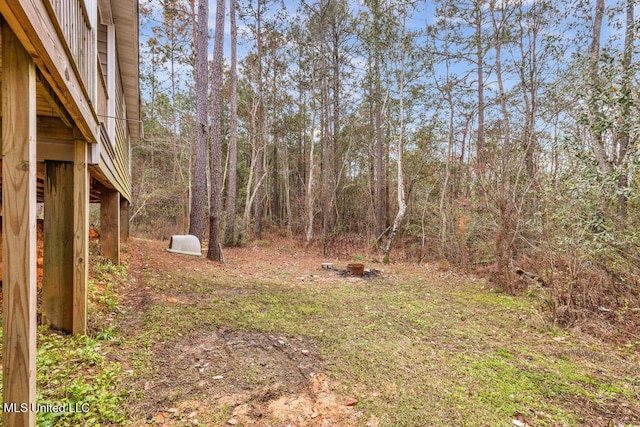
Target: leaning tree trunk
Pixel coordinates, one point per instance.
(261, 138)
(402, 204)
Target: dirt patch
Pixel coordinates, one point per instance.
(317, 406)
(603, 413)
(251, 378)
(224, 376)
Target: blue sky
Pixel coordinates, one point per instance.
(422, 15)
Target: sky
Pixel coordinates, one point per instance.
(423, 14)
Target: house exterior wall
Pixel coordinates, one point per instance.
(82, 66)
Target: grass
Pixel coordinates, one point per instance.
(416, 348)
(415, 351)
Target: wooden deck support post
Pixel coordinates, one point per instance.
(66, 237)
(110, 224)
(124, 219)
(18, 230)
(57, 268)
(80, 237)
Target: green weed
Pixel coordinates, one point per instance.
(74, 373)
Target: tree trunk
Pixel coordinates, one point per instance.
(199, 176)
(261, 137)
(594, 77)
(215, 248)
(402, 205)
(309, 233)
(528, 71)
(623, 138)
(480, 150)
(326, 168)
(276, 217)
(379, 153)
(250, 191)
(505, 233)
(287, 191)
(447, 167)
(233, 132)
(336, 120)
(309, 198)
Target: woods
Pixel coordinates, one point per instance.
(496, 136)
(413, 213)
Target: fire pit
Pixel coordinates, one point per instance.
(366, 273)
(356, 269)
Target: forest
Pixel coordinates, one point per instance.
(498, 137)
(407, 213)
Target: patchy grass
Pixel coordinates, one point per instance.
(418, 347)
(271, 339)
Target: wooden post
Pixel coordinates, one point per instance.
(110, 224)
(80, 237)
(57, 269)
(18, 230)
(124, 219)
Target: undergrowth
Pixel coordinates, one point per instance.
(78, 381)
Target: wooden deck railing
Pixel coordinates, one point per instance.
(76, 25)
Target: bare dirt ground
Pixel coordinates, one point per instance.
(258, 376)
(260, 379)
